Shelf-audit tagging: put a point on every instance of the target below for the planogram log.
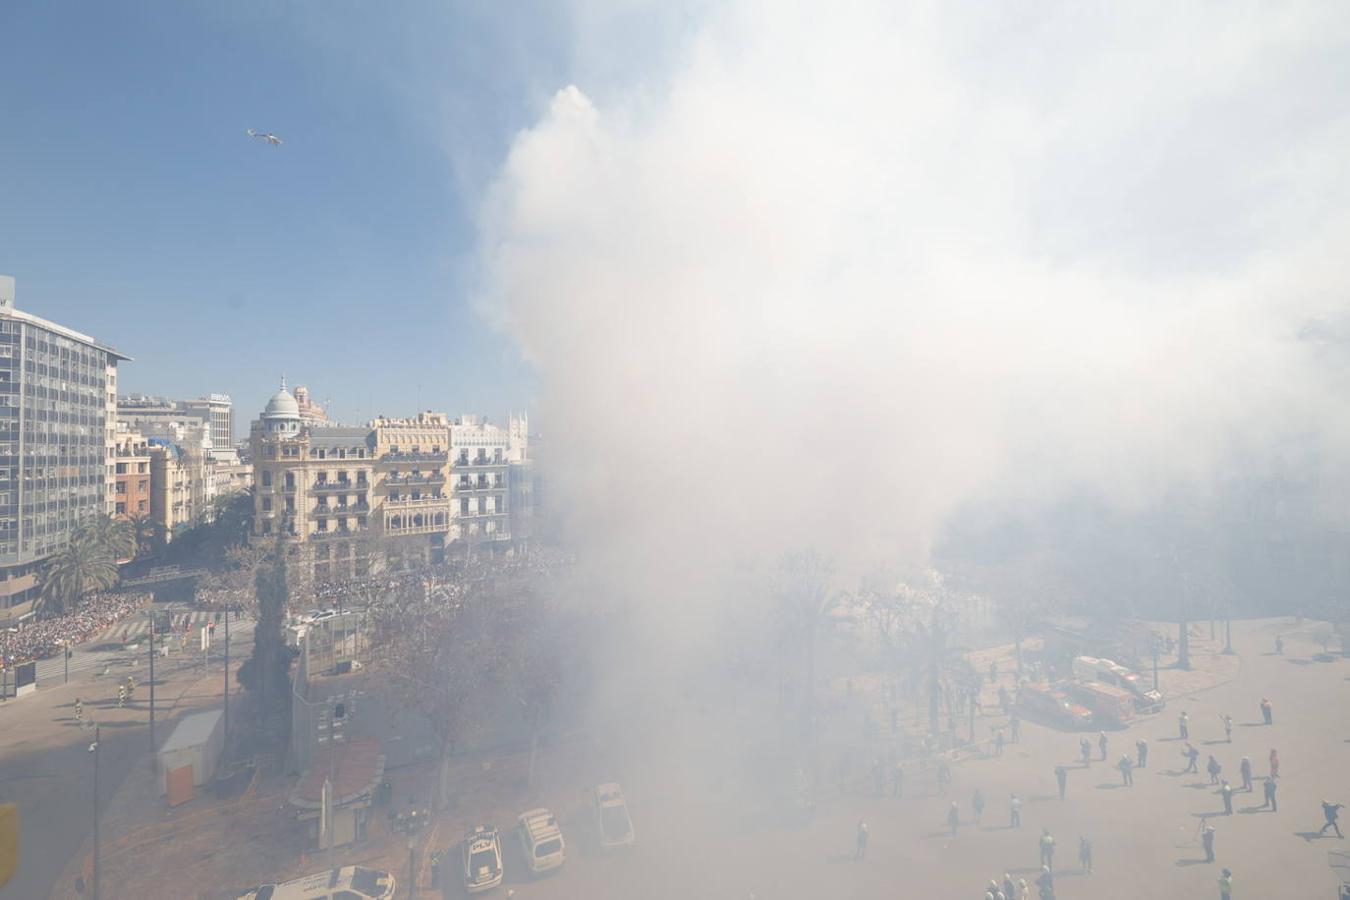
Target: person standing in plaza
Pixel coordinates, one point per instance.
(1227, 727)
(953, 817)
(1045, 884)
(1009, 889)
(1274, 764)
(1268, 786)
(1279, 645)
(1015, 812)
(1226, 885)
(1085, 854)
(1102, 744)
(1267, 712)
(861, 851)
(1047, 844)
(1191, 755)
(1141, 751)
(1331, 812)
(1015, 726)
(977, 805)
(998, 742)
(1207, 840)
(1184, 725)
(1062, 776)
(1085, 750)
(1227, 793)
(1245, 770)
(1213, 768)
(1126, 776)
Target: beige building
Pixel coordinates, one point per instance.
(181, 484)
(409, 487)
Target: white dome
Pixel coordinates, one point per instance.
(282, 406)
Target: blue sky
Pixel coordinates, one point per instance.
(133, 207)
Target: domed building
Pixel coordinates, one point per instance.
(413, 487)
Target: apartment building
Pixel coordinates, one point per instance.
(407, 488)
(181, 484)
(131, 474)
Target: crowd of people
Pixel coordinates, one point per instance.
(44, 637)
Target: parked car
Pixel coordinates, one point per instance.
(1040, 701)
(541, 839)
(348, 883)
(482, 859)
(611, 815)
(1091, 668)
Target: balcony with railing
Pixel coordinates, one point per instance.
(464, 487)
(337, 533)
(415, 502)
(475, 462)
(411, 456)
(423, 478)
(348, 509)
(336, 487)
(479, 513)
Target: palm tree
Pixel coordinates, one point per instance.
(147, 534)
(84, 564)
(934, 663)
(116, 536)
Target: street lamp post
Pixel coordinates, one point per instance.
(152, 684)
(412, 867)
(93, 748)
(1228, 637)
(227, 681)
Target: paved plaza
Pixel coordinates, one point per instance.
(703, 832)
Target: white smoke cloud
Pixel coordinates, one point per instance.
(849, 267)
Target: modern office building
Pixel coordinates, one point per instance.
(166, 418)
(407, 487)
(57, 443)
(218, 411)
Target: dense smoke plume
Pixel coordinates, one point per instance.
(845, 269)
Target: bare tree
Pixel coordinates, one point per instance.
(451, 643)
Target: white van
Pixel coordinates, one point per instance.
(346, 883)
(541, 839)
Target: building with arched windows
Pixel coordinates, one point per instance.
(402, 490)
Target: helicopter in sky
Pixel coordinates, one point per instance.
(269, 137)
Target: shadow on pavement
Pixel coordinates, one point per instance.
(1191, 862)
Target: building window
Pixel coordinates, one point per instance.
(140, 506)
(121, 508)
(267, 479)
(267, 504)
